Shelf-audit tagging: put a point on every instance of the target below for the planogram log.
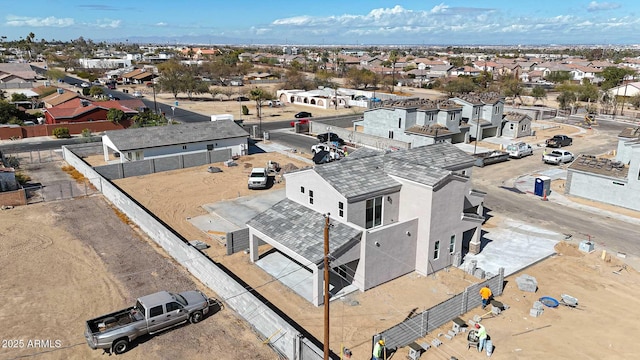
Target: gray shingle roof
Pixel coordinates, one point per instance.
(301, 230)
(357, 178)
(363, 173)
(149, 137)
(441, 155)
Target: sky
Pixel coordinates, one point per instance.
(327, 22)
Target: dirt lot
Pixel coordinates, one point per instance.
(67, 261)
(601, 328)
(356, 318)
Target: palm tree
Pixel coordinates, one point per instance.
(259, 95)
(393, 58)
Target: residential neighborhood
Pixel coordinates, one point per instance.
(133, 158)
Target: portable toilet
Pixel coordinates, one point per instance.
(542, 186)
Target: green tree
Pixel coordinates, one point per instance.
(539, 93)
(171, 76)
(115, 115)
(148, 119)
(393, 58)
(558, 77)
(566, 99)
(297, 80)
(635, 101)
(18, 97)
(512, 87)
(61, 133)
(9, 113)
(55, 74)
(460, 85)
(96, 91)
(613, 76)
(259, 96)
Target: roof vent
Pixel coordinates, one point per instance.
(60, 91)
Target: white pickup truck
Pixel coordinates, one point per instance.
(557, 157)
(151, 314)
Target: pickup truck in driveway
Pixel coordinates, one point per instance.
(151, 314)
(558, 141)
(557, 157)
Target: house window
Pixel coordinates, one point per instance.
(452, 244)
(390, 134)
(373, 212)
(209, 147)
(184, 147)
(310, 196)
(436, 250)
(524, 127)
(302, 189)
(399, 123)
(341, 208)
(510, 126)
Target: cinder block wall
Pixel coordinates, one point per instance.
(265, 320)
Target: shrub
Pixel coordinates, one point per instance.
(22, 178)
(245, 110)
(61, 133)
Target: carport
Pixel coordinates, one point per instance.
(297, 234)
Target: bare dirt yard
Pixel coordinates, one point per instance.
(604, 297)
(68, 261)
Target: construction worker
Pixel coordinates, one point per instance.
(482, 336)
(485, 294)
(378, 350)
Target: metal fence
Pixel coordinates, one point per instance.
(33, 157)
(59, 191)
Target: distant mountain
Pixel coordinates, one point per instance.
(194, 39)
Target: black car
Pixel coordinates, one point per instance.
(302, 114)
(242, 98)
(330, 137)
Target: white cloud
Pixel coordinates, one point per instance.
(596, 6)
(108, 23)
(162, 24)
(50, 21)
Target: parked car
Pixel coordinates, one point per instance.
(301, 121)
(242, 98)
(85, 85)
(302, 114)
(151, 314)
(360, 97)
(558, 141)
(272, 103)
(519, 150)
(330, 137)
(111, 86)
(137, 94)
(557, 157)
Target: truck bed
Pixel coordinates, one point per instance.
(106, 322)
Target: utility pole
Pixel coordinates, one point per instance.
(326, 286)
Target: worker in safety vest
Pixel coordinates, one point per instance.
(378, 350)
(482, 336)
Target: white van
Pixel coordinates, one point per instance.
(519, 150)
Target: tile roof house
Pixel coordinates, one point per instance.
(83, 110)
(160, 141)
(59, 97)
(17, 72)
(391, 214)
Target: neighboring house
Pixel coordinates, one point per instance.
(615, 182)
(516, 125)
(104, 63)
(439, 71)
(318, 98)
(17, 72)
(61, 96)
(483, 112)
(465, 71)
(161, 141)
(628, 90)
(416, 121)
(138, 76)
(391, 214)
(82, 110)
